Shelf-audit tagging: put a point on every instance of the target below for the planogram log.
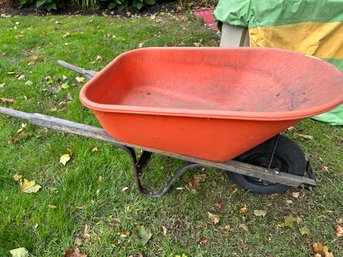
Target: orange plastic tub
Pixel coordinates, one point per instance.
(209, 103)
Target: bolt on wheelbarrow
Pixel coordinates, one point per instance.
(207, 106)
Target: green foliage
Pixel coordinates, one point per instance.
(122, 4)
(85, 3)
(24, 3)
(49, 4)
(53, 5)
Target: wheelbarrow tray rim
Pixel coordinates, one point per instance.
(209, 113)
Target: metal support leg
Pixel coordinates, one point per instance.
(138, 169)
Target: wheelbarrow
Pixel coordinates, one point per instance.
(211, 107)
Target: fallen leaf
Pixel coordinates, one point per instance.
(29, 187)
(74, 253)
(124, 189)
(244, 227)
(28, 83)
(195, 183)
(21, 77)
(33, 59)
(64, 159)
(95, 149)
(298, 219)
(289, 220)
(224, 229)
(218, 206)
(339, 230)
(124, 234)
(140, 45)
(22, 128)
(213, 217)
(164, 230)
(86, 232)
(307, 137)
(304, 231)
(7, 100)
(339, 220)
(289, 201)
(321, 250)
(64, 86)
(52, 206)
(80, 79)
(2, 85)
(17, 177)
(259, 213)
(20, 252)
(142, 235)
(296, 194)
(243, 209)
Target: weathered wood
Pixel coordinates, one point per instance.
(87, 73)
(99, 134)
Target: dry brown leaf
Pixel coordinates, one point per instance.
(74, 253)
(339, 230)
(339, 220)
(218, 206)
(298, 220)
(289, 201)
(296, 194)
(7, 100)
(17, 177)
(33, 59)
(244, 227)
(124, 234)
(225, 229)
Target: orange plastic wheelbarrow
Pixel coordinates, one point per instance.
(212, 107)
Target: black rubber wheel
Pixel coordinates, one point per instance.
(288, 158)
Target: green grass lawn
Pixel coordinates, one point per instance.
(91, 202)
